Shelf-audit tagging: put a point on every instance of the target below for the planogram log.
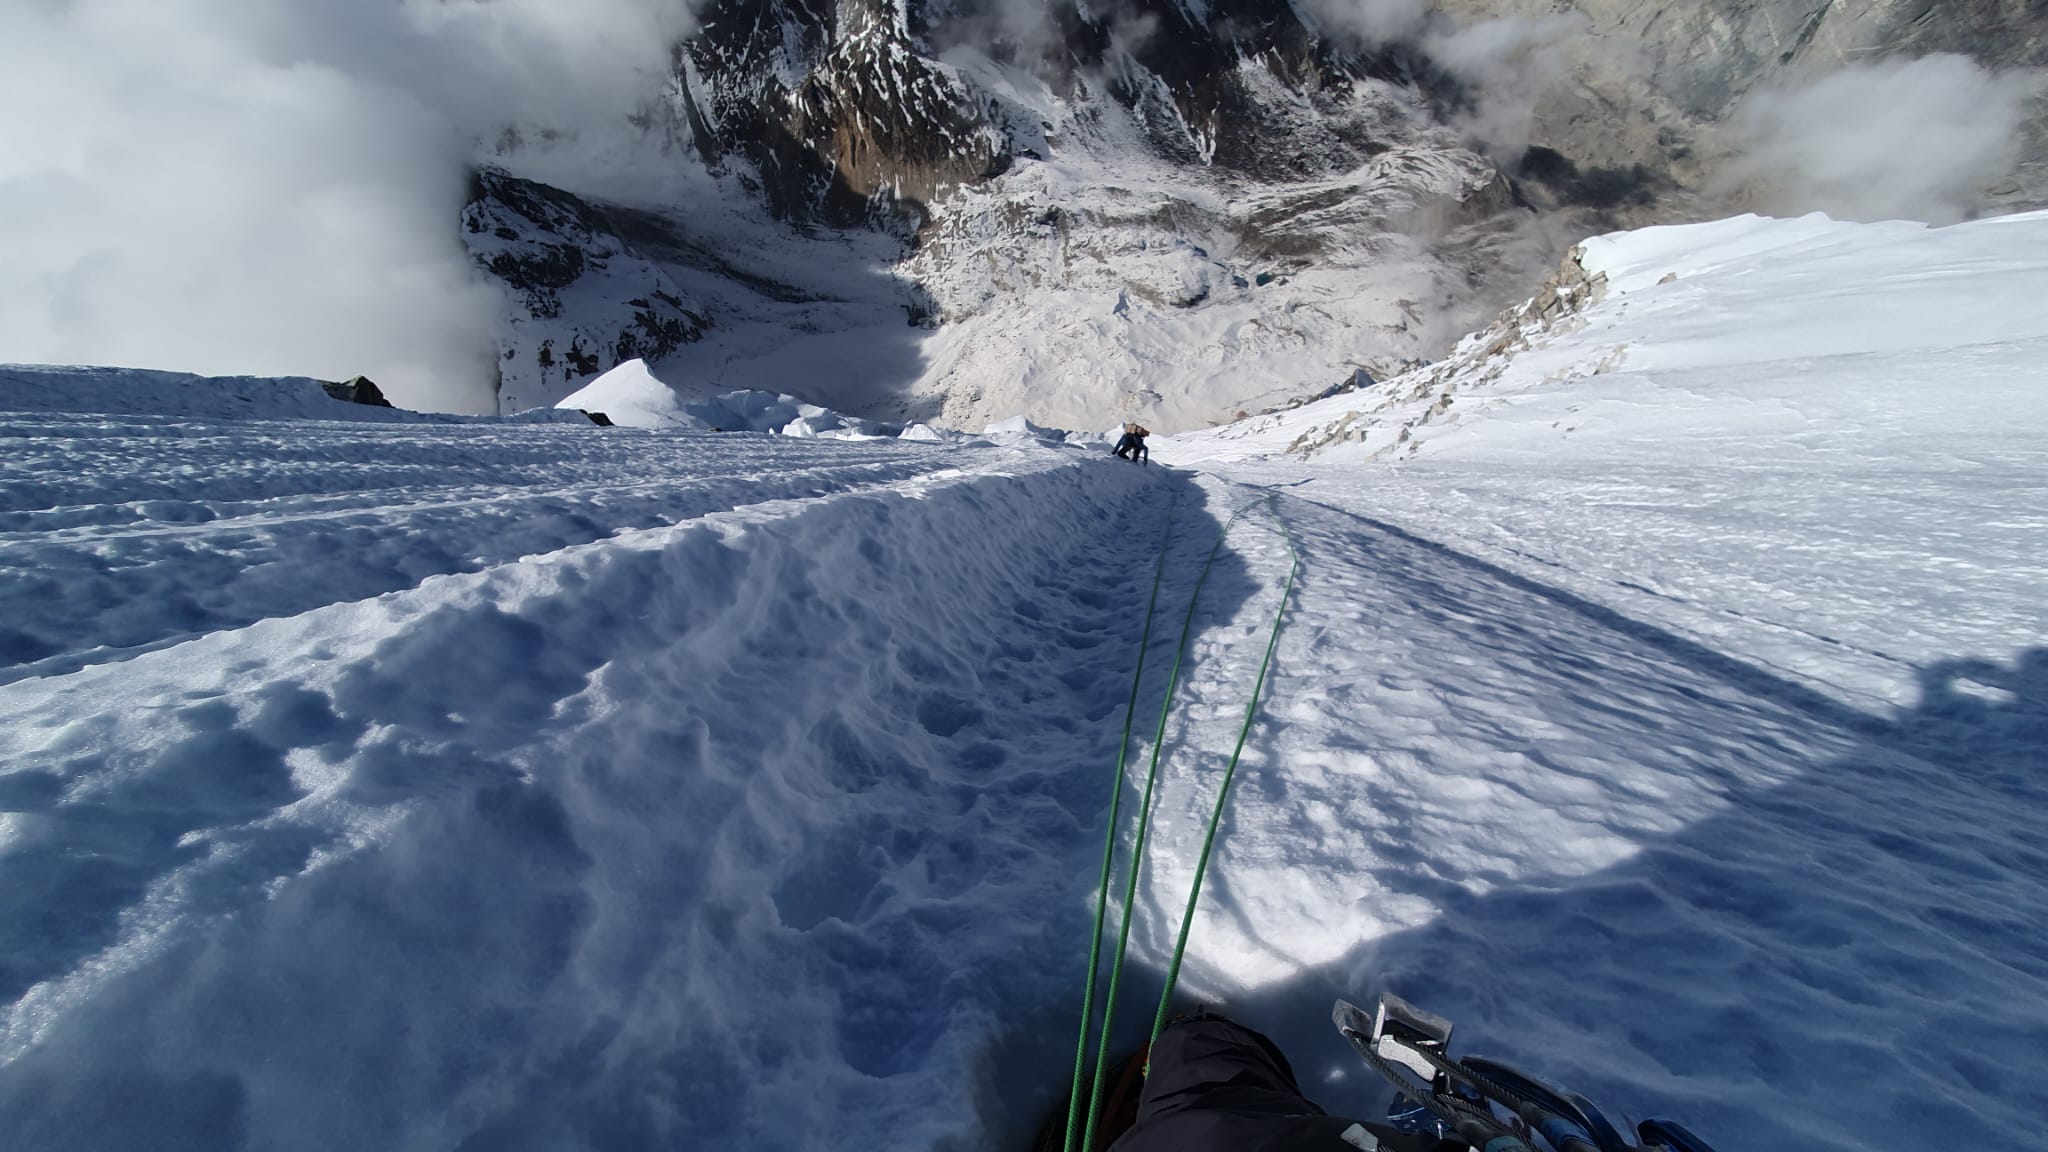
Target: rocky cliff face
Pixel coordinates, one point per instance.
(580, 297)
(1175, 210)
(843, 107)
(843, 112)
(834, 113)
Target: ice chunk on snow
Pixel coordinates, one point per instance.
(633, 395)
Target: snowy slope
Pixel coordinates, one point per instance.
(828, 578)
(125, 533)
(1853, 414)
(1694, 682)
(564, 787)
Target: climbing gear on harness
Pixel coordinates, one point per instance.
(1484, 1103)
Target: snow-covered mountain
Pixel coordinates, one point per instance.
(1179, 212)
(1662, 695)
(1299, 197)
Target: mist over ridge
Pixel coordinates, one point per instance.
(272, 188)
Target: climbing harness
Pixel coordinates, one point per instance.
(1084, 1129)
(1484, 1103)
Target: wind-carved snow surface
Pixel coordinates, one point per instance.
(710, 830)
(1668, 695)
(553, 786)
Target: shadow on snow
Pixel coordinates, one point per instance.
(1856, 957)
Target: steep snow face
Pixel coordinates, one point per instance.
(631, 396)
(1078, 291)
(1800, 460)
(1773, 382)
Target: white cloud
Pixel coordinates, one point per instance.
(273, 187)
(1505, 64)
(1913, 139)
(1508, 63)
(1371, 21)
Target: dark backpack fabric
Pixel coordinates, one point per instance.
(1217, 1086)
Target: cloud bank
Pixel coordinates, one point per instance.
(1506, 64)
(1509, 63)
(1902, 139)
(272, 187)
(1917, 139)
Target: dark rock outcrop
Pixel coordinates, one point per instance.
(356, 390)
(868, 132)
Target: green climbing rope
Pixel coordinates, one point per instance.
(1116, 967)
(1251, 711)
(1116, 792)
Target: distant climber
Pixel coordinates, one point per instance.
(1132, 446)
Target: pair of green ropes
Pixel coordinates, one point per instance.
(1080, 1136)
